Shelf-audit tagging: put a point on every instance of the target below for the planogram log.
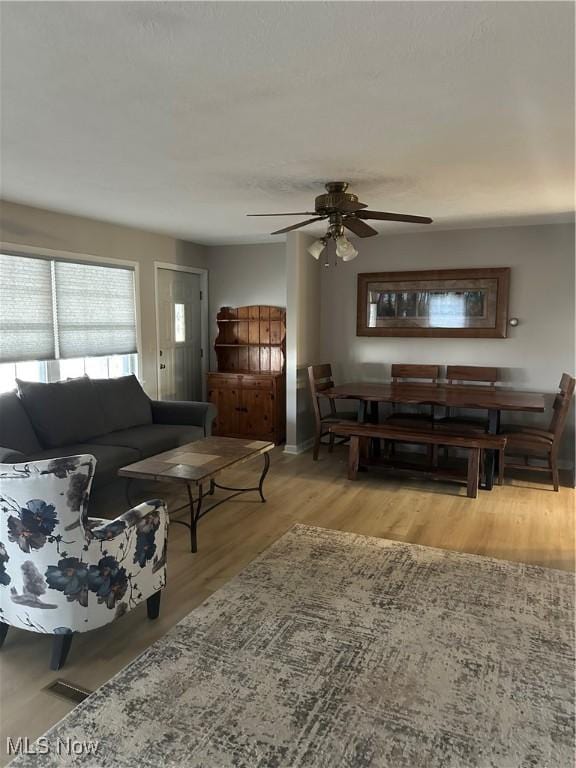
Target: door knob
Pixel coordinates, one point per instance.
(162, 366)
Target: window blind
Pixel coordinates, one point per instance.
(26, 309)
(51, 309)
(95, 310)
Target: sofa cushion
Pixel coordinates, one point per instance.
(64, 412)
(150, 439)
(109, 458)
(16, 430)
(124, 402)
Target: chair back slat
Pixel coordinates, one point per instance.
(322, 371)
(320, 378)
(561, 407)
(402, 372)
(474, 373)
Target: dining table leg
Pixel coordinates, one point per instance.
(374, 419)
(491, 456)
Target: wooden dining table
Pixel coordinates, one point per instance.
(494, 400)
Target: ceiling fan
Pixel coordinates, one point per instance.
(343, 211)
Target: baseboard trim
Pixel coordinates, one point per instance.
(294, 450)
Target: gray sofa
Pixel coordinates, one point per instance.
(112, 419)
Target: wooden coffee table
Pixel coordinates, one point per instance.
(197, 465)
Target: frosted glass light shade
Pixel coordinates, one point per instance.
(344, 249)
(316, 248)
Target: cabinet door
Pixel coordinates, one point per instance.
(257, 414)
(227, 401)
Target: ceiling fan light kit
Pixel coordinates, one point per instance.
(343, 211)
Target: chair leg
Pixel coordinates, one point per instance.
(331, 442)
(501, 468)
(3, 632)
(316, 450)
(555, 473)
(60, 647)
(153, 605)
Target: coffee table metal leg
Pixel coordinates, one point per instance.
(263, 476)
(245, 490)
(127, 489)
(195, 513)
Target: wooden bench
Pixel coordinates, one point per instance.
(474, 444)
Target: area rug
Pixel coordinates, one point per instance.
(333, 649)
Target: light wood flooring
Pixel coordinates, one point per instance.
(523, 521)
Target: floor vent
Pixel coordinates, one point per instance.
(68, 690)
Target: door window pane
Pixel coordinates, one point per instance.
(179, 323)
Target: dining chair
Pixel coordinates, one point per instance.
(532, 443)
(402, 373)
(467, 375)
(321, 379)
(422, 419)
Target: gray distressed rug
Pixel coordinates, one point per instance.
(333, 649)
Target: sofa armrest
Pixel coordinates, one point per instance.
(11, 456)
(184, 412)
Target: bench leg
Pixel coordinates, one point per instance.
(501, 468)
(353, 458)
(473, 472)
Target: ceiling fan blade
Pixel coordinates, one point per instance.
(297, 226)
(359, 228)
(301, 213)
(382, 216)
(348, 206)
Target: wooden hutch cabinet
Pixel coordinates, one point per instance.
(249, 388)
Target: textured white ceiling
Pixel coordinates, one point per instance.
(183, 117)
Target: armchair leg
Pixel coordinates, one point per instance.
(153, 605)
(60, 647)
(3, 632)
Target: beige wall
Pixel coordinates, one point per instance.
(241, 275)
(541, 296)
(24, 225)
(302, 338)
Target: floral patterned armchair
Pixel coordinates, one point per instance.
(62, 572)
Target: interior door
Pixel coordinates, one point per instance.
(179, 335)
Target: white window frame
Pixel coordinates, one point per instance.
(31, 250)
(204, 319)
